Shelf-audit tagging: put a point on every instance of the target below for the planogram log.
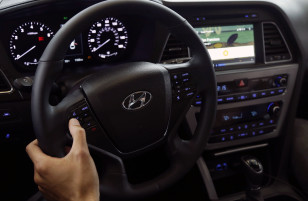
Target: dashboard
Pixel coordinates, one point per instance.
(251, 51)
(257, 53)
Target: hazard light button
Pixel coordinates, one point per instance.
(241, 83)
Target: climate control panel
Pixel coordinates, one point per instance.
(244, 122)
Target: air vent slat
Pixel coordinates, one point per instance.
(175, 51)
(4, 85)
(276, 49)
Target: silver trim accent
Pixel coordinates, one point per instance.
(284, 40)
(130, 100)
(231, 151)
(11, 90)
(207, 179)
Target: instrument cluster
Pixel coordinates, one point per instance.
(105, 41)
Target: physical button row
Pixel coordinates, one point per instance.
(243, 127)
(241, 135)
(181, 87)
(84, 116)
(250, 96)
(244, 97)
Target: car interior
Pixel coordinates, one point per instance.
(202, 100)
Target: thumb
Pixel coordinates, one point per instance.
(78, 134)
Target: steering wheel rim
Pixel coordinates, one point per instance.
(48, 124)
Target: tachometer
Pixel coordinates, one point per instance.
(28, 42)
(107, 38)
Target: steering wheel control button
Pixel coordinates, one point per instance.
(81, 112)
(89, 124)
(182, 87)
(175, 77)
(186, 75)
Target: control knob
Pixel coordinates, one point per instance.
(273, 108)
(280, 81)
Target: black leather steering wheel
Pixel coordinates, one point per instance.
(121, 130)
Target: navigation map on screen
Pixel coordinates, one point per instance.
(229, 45)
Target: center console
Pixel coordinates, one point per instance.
(255, 73)
(256, 69)
(251, 104)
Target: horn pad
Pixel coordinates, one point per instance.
(132, 103)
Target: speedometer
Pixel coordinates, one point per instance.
(107, 38)
(27, 43)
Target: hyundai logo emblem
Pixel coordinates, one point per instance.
(137, 100)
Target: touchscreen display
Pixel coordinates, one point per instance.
(229, 45)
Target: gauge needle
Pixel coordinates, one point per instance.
(101, 45)
(17, 58)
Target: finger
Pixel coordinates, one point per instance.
(35, 153)
(78, 134)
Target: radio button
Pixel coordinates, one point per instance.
(261, 123)
(272, 92)
(223, 130)
(232, 137)
(242, 97)
(253, 133)
(239, 127)
(253, 125)
(229, 99)
(271, 121)
(242, 135)
(223, 139)
(231, 129)
(280, 91)
(254, 95)
(263, 94)
(220, 100)
(262, 131)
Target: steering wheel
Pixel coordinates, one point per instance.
(132, 107)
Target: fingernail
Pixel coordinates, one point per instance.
(75, 122)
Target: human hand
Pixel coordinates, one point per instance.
(72, 178)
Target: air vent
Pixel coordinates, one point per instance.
(5, 86)
(275, 46)
(175, 52)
